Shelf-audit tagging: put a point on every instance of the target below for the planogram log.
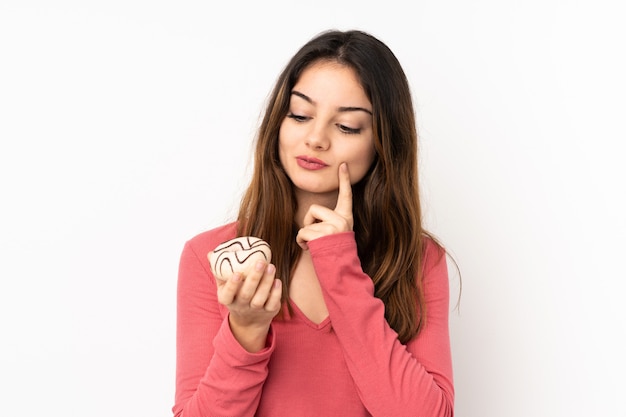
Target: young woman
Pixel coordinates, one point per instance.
(351, 318)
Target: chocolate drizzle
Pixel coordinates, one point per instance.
(235, 252)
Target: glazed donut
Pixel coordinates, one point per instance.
(238, 255)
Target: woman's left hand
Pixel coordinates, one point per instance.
(321, 221)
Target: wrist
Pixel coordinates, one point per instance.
(252, 337)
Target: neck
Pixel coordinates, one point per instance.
(305, 200)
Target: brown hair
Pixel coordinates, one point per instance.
(386, 206)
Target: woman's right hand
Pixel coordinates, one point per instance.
(253, 300)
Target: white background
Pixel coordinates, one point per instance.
(126, 127)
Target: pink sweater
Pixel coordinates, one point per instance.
(350, 365)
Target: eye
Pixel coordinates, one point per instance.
(348, 130)
(297, 117)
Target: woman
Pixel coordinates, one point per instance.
(351, 319)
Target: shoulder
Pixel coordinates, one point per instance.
(434, 256)
(434, 270)
(206, 241)
(433, 250)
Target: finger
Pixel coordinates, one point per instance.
(274, 300)
(227, 290)
(250, 284)
(344, 199)
(302, 242)
(317, 230)
(316, 213)
(263, 289)
(313, 231)
(301, 239)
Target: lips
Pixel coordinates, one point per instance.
(308, 162)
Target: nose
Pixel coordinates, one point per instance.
(318, 139)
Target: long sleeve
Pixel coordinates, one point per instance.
(215, 376)
(392, 379)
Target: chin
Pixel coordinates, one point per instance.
(309, 189)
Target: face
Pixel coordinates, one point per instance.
(329, 122)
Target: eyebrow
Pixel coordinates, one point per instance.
(341, 109)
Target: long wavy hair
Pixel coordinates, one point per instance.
(386, 205)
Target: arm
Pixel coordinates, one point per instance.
(215, 376)
(392, 379)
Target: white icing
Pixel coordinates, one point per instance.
(238, 255)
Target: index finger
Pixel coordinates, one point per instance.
(344, 198)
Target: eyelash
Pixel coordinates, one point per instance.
(344, 129)
(348, 130)
(297, 117)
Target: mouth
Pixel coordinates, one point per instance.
(311, 163)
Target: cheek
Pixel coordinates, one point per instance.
(281, 152)
(288, 138)
(283, 147)
(366, 154)
(362, 163)
(370, 153)
(288, 133)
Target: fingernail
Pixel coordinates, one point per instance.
(259, 265)
(236, 277)
(270, 269)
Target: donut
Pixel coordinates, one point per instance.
(238, 255)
